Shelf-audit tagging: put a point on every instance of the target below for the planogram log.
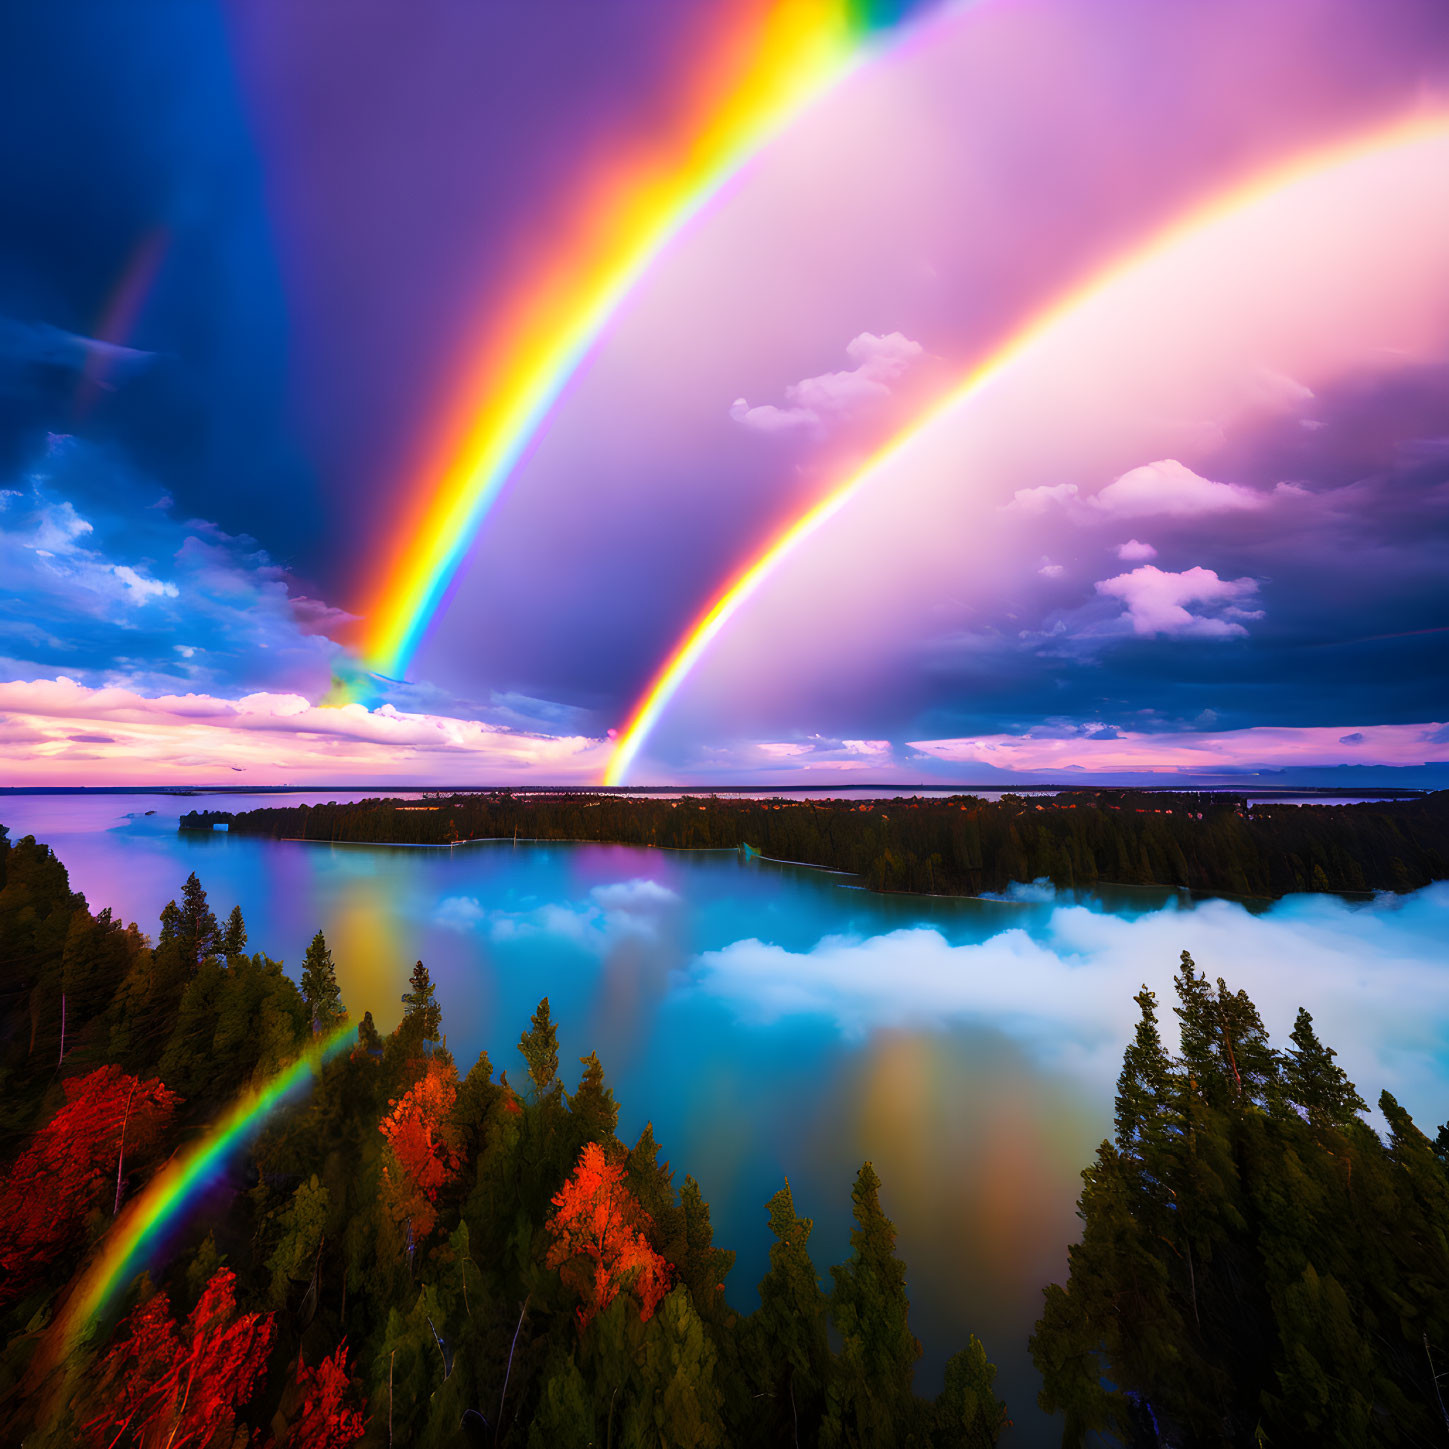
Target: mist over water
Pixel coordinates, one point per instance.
(772, 1020)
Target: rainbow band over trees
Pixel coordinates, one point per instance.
(160, 1204)
(755, 80)
(1039, 333)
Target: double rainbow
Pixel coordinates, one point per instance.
(775, 59)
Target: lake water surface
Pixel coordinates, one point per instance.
(775, 1021)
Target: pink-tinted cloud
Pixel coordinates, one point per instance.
(1134, 552)
(49, 735)
(1164, 489)
(1157, 602)
(1169, 488)
(815, 401)
(1262, 747)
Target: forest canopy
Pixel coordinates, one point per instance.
(418, 1254)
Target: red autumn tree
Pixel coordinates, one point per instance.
(600, 1245)
(422, 1150)
(76, 1163)
(159, 1387)
(326, 1420)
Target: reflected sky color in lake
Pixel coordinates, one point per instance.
(773, 1020)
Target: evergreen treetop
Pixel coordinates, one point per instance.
(422, 1011)
(234, 939)
(319, 986)
(539, 1046)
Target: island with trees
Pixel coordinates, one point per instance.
(1208, 842)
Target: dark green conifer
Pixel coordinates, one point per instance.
(170, 924)
(869, 1399)
(234, 939)
(593, 1109)
(968, 1415)
(789, 1354)
(703, 1267)
(1142, 1088)
(319, 987)
(539, 1045)
(198, 933)
(421, 1010)
(1313, 1081)
(1244, 1048)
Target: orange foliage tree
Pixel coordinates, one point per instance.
(326, 1419)
(599, 1239)
(422, 1150)
(74, 1165)
(158, 1387)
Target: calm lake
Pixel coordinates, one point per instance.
(774, 1021)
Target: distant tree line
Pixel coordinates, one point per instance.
(963, 845)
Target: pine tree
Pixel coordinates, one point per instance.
(593, 1109)
(234, 939)
(702, 1266)
(198, 933)
(1142, 1087)
(170, 924)
(369, 1039)
(1248, 1056)
(870, 1402)
(422, 1011)
(968, 1415)
(319, 986)
(539, 1045)
(789, 1355)
(1313, 1081)
(1197, 1025)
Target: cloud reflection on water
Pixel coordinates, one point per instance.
(1373, 973)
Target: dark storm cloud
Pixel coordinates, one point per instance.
(125, 124)
(1346, 563)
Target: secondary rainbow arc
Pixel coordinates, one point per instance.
(1035, 334)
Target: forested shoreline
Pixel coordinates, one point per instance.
(417, 1255)
(1207, 842)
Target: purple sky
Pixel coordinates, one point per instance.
(1243, 531)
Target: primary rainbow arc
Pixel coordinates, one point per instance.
(801, 50)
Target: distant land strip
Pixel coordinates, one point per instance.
(1204, 841)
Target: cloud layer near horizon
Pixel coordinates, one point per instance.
(62, 732)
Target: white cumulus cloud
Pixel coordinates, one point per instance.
(1157, 602)
(1164, 489)
(817, 401)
